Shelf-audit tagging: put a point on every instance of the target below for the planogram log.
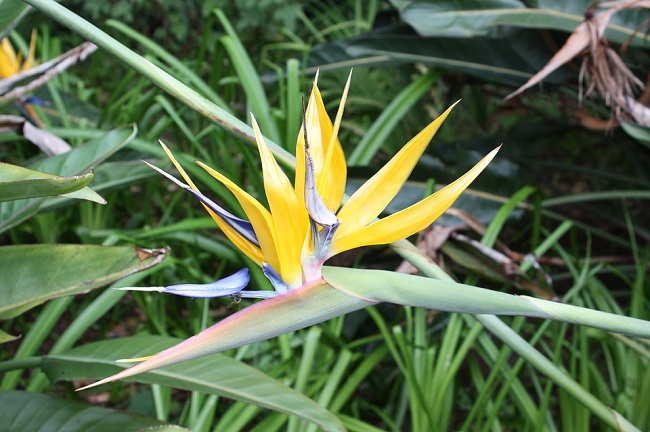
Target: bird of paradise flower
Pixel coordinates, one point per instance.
(306, 224)
(12, 63)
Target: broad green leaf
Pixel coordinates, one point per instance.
(77, 161)
(510, 60)
(110, 175)
(20, 183)
(479, 18)
(217, 374)
(32, 274)
(88, 155)
(12, 13)
(25, 411)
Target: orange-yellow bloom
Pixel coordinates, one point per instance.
(12, 63)
(306, 222)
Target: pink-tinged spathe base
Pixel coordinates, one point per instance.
(299, 308)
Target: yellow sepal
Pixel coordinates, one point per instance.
(258, 216)
(29, 60)
(288, 212)
(414, 218)
(8, 62)
(375, 194)
(251, 251)
(325, 150)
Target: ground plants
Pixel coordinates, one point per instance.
(554, 193)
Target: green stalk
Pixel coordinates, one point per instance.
(248, 78)
(377, 134)
(18, 364)
(523, 348)
(188, 74)
(156, 75)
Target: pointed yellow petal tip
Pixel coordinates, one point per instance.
(178, 166)
(29, 60)
(411, 219)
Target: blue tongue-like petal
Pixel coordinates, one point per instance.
(230, 285)
(243, 227)
(275, 278)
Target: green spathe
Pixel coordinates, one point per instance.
(391, 287)
(344, 290)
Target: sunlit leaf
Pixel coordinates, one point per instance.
(27, 411)
(32, 274)
(216, 374)
(75, 162)
(22, 183)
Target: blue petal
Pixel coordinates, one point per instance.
(230, 285)
(257, 294)
(34, 101)
(275, 278)
(243, 227)
(322, 238)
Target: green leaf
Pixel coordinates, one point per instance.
(255, 95)
(12, 12)
(6, 337)
(21, 183)
(217, 374)
(86, 156)
(77, 161)
(110, 175)
(480, 18)
(375, 137)
(510, 60)
(33, 274)
(25, 411)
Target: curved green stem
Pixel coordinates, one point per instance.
(156, 75)
(20, 364)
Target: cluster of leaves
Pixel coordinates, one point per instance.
(384, 368)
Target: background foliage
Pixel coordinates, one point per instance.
(564, 206)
